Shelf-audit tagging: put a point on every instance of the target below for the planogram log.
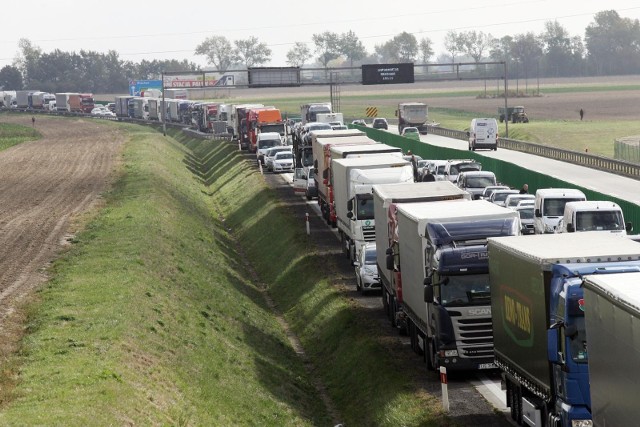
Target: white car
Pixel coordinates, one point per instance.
(271, 154)
(283, 162)
(367, 277)
(486, 194)
(99, 111)
(513, 200)
(499, 196)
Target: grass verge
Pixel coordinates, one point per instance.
(11, 135)
(149, 319)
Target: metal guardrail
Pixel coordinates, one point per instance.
(618, 167)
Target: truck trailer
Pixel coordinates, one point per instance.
(385, 200)
(412, 114)
(612, 320)
(352, 180)
(442, 254)
(538, 311)
(309, 112)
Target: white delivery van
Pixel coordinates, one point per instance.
(549, 207)
(593, 216)
(483, 134)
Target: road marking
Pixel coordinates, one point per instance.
(491, 390)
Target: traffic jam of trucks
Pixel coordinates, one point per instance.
(455, 271)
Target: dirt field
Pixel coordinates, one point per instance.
(45, 185)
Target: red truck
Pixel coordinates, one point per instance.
(263, 120)
(81, 102)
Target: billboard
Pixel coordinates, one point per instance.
(199, 80)
(138, 87)
(274, 76)
(378, 74)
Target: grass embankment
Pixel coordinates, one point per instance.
(11, 135)
(151, 318)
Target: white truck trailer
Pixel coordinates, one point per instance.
(413, 114)
(442, 256)
(352, 180)
(386, 198)
(612, 320)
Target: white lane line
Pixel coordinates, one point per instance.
(491, 391)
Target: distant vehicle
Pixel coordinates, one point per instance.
(264, 141)
(525, 210)
(99, 111)
(359, 122)
(111, 106)
(436, 167)
(411, 132)
(339, 127)
(475, 182)
(380, 123)
(270, 154)
(514, 199)
(421, 165)
(283, 162)
(486, 194)
(412, 114)
(455, 166)
(513, 114)
(550, 204)
(367, 277)
(483, 134)
(499, 196)
(600, 216)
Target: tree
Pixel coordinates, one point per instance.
(613, 43)
(327, 46)
(218, 51)
(563, 54)
(351, 47)
(527, 50)
(26, 59)
(500, 49)
(406, 46)
(251, 52)
(453, 44)
(10, 78)
(425, 49)
(298, 55)
(474, 44)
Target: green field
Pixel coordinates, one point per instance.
(11, 134)
(153, 317)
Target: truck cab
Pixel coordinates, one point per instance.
(599, 216)
(549, 207)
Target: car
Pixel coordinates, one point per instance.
(311, 190)
(474, 182)
(422, 165)
(265, 141)
(486, 194)
(111, 106)
(380, 123)
(436, 167)
(283, 162)
(525, 211)
(359, 122)
(455, 166)
(499, 196)
(270, 154)
(514, 199)
(367, 277)
(99, 110)
(411, 132)
(526, 202)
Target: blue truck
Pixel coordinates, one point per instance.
(538, 312)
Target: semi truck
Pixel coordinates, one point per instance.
(385, 201)
(309, 112)
(62, 101)
(81, 102)
(442, 254)
(352, 180)
(266, 119)
(612, 320)
(321, 143)
(412, 114)
(538, 310)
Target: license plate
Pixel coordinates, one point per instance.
(487, 366)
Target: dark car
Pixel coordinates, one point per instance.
(380, 123)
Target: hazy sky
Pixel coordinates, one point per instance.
(173, 29)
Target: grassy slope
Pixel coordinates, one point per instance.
(11, 135)
(151, 318)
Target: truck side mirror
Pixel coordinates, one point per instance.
(468, 134)
(628, 227)
(552, 345)
(350, 205)
(389, 261)
(537, 213)
(570, 228)
(325, 174)
(428, 293)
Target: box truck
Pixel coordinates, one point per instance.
(538, 311)
(549, 207)
(385, 201)
(309, 112)
(412, 114)
(442, 254)
(352, 180)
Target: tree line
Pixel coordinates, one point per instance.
(610, 46)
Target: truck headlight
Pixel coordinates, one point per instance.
(581, 423)
(451, 353)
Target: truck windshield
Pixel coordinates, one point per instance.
(578, 343)
(480, 181)
(267, 143)
(599, 220)
(364, 206)
(279, 127)
(555, 207)
(463, 290)
(307, 158)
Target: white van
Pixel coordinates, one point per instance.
(549, 207)
(483, 134)
(593, 216)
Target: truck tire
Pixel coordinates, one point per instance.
(343, 243)
(432, 360)
(385, 301)
(515, 398)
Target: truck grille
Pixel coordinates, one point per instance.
(369, 235)
(475, 336)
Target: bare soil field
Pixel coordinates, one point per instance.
(45, 186)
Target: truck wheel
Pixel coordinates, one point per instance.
(385, 303)
(343, 243)
(359, 285)
(432, 360)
